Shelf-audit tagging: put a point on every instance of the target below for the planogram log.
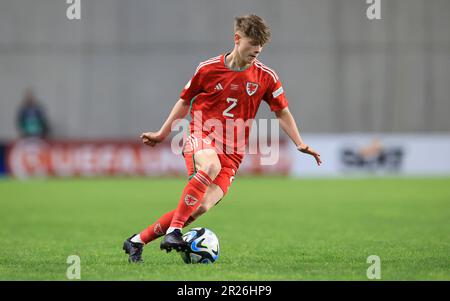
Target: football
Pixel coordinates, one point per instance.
(203, 246)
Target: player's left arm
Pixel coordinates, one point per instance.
(289, 126)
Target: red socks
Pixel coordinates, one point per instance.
(159, 228)
(191, 198)
(181, 217)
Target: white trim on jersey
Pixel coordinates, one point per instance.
(269, 69)
(215, 59)
(260, 65)
(212, 58)
(208, 62)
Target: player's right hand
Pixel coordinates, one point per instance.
(151, 138)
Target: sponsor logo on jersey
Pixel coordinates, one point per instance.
(190, 200)
(251, 88)
(234, 87)
(218, 87)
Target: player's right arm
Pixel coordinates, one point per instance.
(179, 111)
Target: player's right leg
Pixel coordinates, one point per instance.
(212, 196)
(134, 245)
(133, 249)
(207, 166)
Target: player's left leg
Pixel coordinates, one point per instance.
(133, 246)
(158, 228)
(212, 196)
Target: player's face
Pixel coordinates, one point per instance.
(248, 49)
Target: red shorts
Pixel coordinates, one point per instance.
(226, 175)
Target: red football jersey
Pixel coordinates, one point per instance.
(222, 98)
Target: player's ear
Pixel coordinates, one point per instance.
(237, 38)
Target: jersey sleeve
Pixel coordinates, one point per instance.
(193, 87)
(275, 96)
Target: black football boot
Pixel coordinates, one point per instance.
(174, 240)
(134, 250)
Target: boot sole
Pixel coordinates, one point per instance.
(124, 247)
(176, 248)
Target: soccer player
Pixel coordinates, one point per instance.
(225, 88)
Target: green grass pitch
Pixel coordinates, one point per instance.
(269, 229)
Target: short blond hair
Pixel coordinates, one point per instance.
(253, 27)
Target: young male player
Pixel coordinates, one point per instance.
(225, 88)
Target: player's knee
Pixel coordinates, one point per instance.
(211, 167)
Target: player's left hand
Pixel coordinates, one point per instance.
(308, 150)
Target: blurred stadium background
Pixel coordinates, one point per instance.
(373, 96)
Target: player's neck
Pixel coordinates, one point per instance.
(235, 62)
